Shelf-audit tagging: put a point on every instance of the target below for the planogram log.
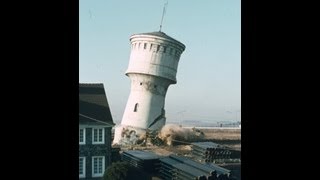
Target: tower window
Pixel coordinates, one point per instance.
(150, 47)
(139, 46)
(145, 46)
(164, 49)
(158, 48)
(170, 51)
(155, 86)
(140, 83)
(136, 107)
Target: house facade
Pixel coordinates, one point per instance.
(95, 124)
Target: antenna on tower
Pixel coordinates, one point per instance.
(163, 12)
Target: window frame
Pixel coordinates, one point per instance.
(103, 134)
(83, 167)
(103, 166)
(84, 136)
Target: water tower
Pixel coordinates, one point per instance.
(152, 68)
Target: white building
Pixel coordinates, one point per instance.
(152, 68)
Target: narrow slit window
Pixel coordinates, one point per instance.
(164, 49)
(158, 48)
(145, 46)
(136, 107)
(150, 47)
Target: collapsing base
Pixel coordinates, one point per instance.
(127, 135)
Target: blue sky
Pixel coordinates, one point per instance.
(209, 73)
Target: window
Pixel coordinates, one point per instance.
(136, 107)
(150, 47)
(82, 136)
(140, 83)
(82, 167)
(97, 136)
(164, 49)
(158, 48)
(145, 46)
(98, 166)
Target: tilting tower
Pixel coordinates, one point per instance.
(152, 68)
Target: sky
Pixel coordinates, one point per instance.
(209, 72)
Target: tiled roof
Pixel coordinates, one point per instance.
(93, 105)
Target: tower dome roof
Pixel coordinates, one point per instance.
(159, 34)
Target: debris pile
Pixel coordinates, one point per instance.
(130, 136)
(166, 136)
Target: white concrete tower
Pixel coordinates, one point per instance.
(152, 68)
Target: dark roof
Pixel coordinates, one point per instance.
(160, 34)
(182, 167)
(192, 163)
(144, 155)
(220, 170)
(93, 105)
(188, 166)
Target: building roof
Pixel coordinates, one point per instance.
(93, 105)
